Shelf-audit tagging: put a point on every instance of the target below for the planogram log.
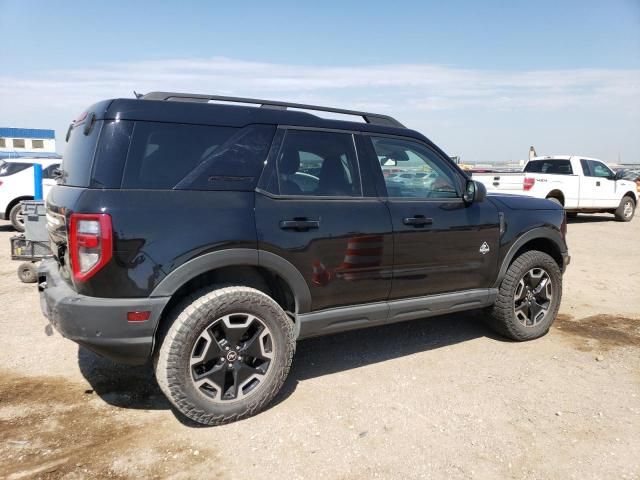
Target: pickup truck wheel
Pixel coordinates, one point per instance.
(626, 210)
(16, 218)
(528, 298)
(226, 354)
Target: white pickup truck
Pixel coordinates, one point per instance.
(579, 184)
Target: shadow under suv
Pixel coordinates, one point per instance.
(210, 237)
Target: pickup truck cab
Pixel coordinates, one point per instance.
(579, 184)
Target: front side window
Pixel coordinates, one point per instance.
(318, 164)
(412, 170)
(585, 167)
(599, 169)
(50, 170)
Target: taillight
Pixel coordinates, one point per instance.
(528, 183)
(90, 243)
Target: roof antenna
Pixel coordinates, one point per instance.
(138, 95)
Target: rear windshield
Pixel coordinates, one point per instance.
(9, 168)
(560, 167)
(78, 155)
(196, 157)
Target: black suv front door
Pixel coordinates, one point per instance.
(316, 210)
(441, 244)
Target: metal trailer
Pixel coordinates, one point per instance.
(33, 245)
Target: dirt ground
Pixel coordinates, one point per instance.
(434, 398)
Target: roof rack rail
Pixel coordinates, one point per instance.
(374, 118)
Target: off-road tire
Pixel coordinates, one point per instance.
(188, 320)
(620, 211)
(501, 316)
(27, 272)
(13, 217)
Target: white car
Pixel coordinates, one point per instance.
(17, 183)
(579, 184)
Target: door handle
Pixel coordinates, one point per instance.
(299, 224)
(597, 184)
(417, 221)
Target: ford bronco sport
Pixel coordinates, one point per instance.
(208, 237)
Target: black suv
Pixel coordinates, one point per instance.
(209, 237)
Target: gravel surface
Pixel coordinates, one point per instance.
(434, 398)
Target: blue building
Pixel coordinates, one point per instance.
(27, 142)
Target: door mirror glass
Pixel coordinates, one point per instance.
(470, 192)
(474, 192)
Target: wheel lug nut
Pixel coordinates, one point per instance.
(237, 347)
(239, 358)
(226, 348)
(222, 359)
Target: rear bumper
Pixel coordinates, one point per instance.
(99, 324)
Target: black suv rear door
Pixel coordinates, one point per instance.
(316, 208)
(441, 244)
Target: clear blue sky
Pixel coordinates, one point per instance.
(49, 48)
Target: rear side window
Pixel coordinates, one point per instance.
(196, 157)
(318, 164)
(11, 168)
(558, 167)
(78, 155)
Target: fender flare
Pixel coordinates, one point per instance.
(539, 232)
(237, 257)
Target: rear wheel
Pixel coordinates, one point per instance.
(626, 210)
(16, 217)
(528, 298)
(226, 354)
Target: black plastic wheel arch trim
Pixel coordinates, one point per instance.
(536, 233)
(238, 257)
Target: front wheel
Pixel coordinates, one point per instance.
(528, 298)
(226, 354)
(626, 210)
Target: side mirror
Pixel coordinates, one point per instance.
(474, 192)
(618, 175)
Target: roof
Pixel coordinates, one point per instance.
(27, 133)
(229, 115)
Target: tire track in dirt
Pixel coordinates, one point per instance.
(53, 428)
